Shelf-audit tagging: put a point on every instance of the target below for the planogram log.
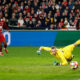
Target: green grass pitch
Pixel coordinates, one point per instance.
(23, 63)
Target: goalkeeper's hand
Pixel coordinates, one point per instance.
(38, 52)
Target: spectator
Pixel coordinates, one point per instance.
(51, 27)
(20, 22)
(13, 21)
(39, 13)
(6, 18)
(39, 25)
(61, 24)
(26, 21)
(78, 24)
(30, 25)
(34, 21)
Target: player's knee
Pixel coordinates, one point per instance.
(0, 45)
(5, 45)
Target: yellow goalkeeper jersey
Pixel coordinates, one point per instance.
(63, 54)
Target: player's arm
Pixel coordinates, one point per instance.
(62, 58)
(5, 25)
(43, 48)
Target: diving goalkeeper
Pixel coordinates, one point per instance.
(63, 54)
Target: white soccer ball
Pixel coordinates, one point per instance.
(74, 65)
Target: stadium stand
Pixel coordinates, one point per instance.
(41, 14)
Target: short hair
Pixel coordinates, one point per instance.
(53, 47)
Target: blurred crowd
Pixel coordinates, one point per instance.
(41, 14)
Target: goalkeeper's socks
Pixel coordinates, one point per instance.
(77, 42)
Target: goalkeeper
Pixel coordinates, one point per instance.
(63, 54)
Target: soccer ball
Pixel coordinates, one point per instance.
(74, 65)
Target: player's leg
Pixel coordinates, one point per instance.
(68, 49)
(1, 54)
(4, 42)
(71, 47)
(68, 52)
(5, 46)
(77, 43)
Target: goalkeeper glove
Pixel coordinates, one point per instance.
(38, 52)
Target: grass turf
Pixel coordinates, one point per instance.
(23, 63)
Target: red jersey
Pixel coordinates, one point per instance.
(3, 24)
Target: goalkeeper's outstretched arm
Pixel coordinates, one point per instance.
(43, 48)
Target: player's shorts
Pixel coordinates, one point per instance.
(2, 38)
(68, 51)
(70, 59)
(69, 48)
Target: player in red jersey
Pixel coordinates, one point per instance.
(2, 38)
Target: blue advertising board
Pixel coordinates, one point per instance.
(30, 38)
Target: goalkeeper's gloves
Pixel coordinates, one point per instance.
(38, 52)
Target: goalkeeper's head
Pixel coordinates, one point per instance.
(53, 50)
